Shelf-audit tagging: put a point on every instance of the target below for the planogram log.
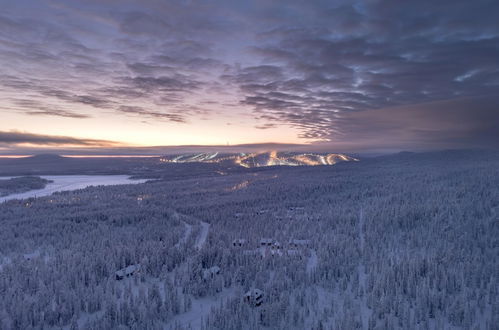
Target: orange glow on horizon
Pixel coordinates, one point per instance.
(15, 156)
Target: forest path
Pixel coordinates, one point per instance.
(365, 312)
(188, 229)
(185, 237)
(203, 235)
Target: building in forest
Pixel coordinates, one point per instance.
(266, 242)
(127, 271)
(254, 297)
(211, 272)
(238, 242)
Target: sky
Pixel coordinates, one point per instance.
(335, 75)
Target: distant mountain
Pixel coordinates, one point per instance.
(260, 159)
(52, 164)
(44, 158)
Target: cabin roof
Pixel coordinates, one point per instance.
(128, 270)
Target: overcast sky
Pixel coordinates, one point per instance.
(343, 75)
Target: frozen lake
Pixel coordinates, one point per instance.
(71, 182)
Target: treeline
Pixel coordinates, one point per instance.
(21, 184)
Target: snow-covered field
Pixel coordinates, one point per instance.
(406, 244)
(71, 182)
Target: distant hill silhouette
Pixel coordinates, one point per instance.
(53, 164)
(45, 158)
(213, 163)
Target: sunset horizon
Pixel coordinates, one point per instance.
(347, 76)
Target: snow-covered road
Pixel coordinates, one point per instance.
(203, 235)
(185, 237)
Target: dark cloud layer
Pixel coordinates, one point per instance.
(466, 122)
(13, 138)
(327, 68)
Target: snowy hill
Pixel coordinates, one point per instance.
(261, 159)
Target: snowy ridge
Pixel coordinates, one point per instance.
(261, 159)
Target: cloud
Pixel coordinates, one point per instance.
(177, 83)
(35, 107)
(315, 80)
(57, 113)
(15, 138)
(308, 65)
(265, 126)
(456, 123)
(63, 64)
(154, 114)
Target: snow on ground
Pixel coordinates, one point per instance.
(324, 305)
(32, 255)
(201, 308)
(73, 182)
(203, 235)
(4, 261)
(312, 261)
(87, 317)
(192, 319)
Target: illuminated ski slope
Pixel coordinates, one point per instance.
(270, 158)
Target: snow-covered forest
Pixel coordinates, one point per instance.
(409, 241)
(21, 184)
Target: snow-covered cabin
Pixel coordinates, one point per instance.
(211, 272)
(276, 245)
(270, 249)
(32, 255)
(275, 250)
(238, 242)
(266, 242)
(127, 271)
(254, 297)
